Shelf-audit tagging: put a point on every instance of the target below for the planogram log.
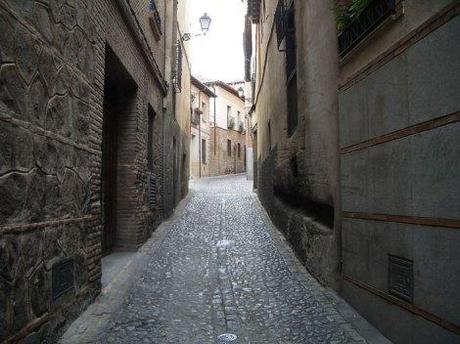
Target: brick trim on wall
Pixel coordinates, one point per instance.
(405, 132)
(407, 306)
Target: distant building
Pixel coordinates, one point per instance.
(228, 131)
(200, 144)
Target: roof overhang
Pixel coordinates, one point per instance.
(202, 87)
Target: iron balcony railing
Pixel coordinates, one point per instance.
(155, 19)
(372, 16)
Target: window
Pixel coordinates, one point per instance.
(203, 151)
(203, 108)
(291, 71)
(229, 147)
(239, 150)
(229, 111)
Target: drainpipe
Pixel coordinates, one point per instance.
(215, 124)
(199, 133)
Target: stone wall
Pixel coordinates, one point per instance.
(400, 163)
(298, 171)
(58, 59)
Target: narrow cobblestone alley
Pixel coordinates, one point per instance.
(220, 267)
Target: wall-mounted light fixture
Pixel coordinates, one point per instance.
(205, 24)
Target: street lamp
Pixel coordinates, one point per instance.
(241, 92)
(205, 23)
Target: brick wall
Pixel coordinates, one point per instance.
(52, 103)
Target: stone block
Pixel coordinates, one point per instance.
(27, 54)
(58, 114)
(39, 291)
(435, 173)
(37, 100)
(390, 177)
(354, 124)
(7, 37)
(36, 196)
(433, 74)
(43, 21)
(355, 181)
(9, 258)
(431, 249)
(13, 188)
(387, 102)
(13, 91)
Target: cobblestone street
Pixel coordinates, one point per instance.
(219, 268)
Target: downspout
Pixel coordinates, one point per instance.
(199, 134)
(215, 118)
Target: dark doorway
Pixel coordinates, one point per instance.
(119, 104)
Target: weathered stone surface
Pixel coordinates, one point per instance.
(58, 115)
(13, 188)
(38, 97)
(19, 299)
(13, 91)
(39, 287)
(43, 21)
(81, 119)
(36, 195)
(68, 16)
(9, 258)
(31, 246)
(27, 53)
(7, 38)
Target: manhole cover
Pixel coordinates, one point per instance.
(227, 337)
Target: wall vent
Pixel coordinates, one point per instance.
(401, 278)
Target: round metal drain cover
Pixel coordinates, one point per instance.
(227, 337)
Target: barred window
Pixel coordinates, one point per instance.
(177, 79)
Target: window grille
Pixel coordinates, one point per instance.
(280, 22)
(372, 16)
(155, 19)
(177, 78)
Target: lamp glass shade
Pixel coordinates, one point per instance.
(205, 22)
(241, 92)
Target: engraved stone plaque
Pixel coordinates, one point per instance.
(401, 278)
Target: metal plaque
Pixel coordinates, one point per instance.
(401, 278)
(63, 277)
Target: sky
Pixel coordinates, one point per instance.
(219, 55)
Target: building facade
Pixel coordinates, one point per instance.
(228, 130)
(358, 152)
(94, 147)
(200, 144)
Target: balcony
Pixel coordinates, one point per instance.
(364, 23)
(196, 114)
(241, 126)
(231, 123)
(155, 20)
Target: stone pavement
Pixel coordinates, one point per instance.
(218, 266)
